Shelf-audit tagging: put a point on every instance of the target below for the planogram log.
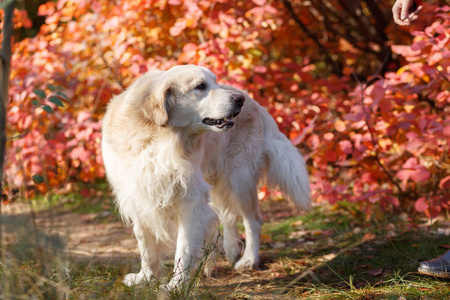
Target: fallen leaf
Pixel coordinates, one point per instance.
(265, 238)
(297, 223)
(278, 245)
(376, 272)
(443, 231)
(327, 257)
(297, 234)
(369, 236)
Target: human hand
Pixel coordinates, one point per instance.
(406, 11)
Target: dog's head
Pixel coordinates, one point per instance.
(189, 97)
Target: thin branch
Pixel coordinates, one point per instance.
(363, 87)
(304, 28)
(380, 20)
(114, 72)
(326, 11)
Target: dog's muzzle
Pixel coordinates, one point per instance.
(227, 122)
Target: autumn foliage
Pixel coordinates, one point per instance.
(367, 102)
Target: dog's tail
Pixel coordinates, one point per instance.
(285, 166)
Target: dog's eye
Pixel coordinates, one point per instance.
(201, 86)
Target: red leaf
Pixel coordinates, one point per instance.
(85, 192)
(346, 146)
(385, 105)
(403, 174)
(393, 200)
(421, 204)
(190, 47)
(418, 45)
(313, 141)
(434, 58)
(331, 156)
(446, 130)
(445, 183)
(260, 69)
(417, 69)
(412, 170)
(259, 80)
(421, 174)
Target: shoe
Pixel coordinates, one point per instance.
(439, 267)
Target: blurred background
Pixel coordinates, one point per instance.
(365, 100)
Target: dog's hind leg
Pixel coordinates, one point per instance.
(248, 205)
(231, 239)
(224, 207)
(150, 256)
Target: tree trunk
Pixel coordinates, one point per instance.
(5, 63)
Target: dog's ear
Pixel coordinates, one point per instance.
(156, 104)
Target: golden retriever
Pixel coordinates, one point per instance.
(181, 152)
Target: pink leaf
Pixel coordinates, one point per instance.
(314, 141)
(418, 45)
(346, 146)
(445, 183)
(421, 174)
(403, 174)
(446, 130)
(83, 116)
(410, 163)
(421, 204)
(404, 50)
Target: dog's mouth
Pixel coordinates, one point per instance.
(226, 122)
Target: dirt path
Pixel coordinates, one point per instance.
(103, 238)
(92, 235)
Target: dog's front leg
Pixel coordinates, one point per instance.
(196, 222)
(150, 256)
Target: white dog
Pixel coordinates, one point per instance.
(175, 154)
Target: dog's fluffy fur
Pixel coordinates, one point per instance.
(174, 162)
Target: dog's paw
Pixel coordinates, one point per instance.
(173, 284)
(232, 252)
(246, 263)
(135, 278)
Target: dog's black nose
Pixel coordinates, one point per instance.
(238, 99)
